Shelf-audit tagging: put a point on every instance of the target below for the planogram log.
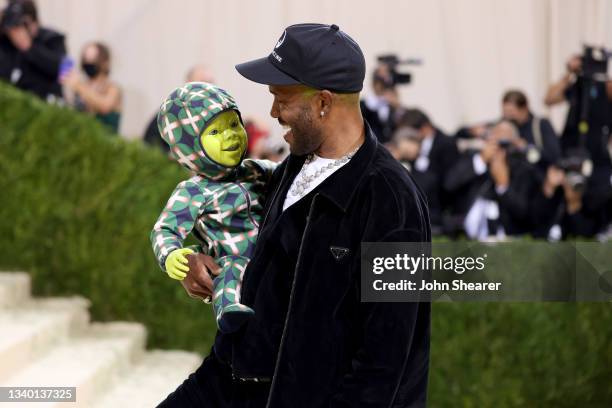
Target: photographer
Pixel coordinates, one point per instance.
(493, 185)
(380, 109)
(586, 138)
(542, 143)
(30, 55)
(561, 208)
(383, 109)
(589, 92)
(428, 154)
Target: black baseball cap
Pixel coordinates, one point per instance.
(317, 55)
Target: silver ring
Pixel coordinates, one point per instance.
(207, 300)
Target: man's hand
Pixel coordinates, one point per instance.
(72, 81)
(499, 169)
(198, 282)
(554, 178)
(489, 150)
(20, 37)
(574, 64)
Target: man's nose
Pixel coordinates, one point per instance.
(274, 110)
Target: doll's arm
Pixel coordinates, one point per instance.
(176, 222)
(261, 169)
(267, 166)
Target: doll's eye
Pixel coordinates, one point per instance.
(234, 124)
(213, 132)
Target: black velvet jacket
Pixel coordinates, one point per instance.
(311, 335)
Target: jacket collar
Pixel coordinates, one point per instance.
(343, 183)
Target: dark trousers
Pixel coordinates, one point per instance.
(211, 386)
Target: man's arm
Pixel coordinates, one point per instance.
(48, 56)
(556, 92)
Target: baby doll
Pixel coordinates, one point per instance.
(221, 203)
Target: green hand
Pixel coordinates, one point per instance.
(176, 263)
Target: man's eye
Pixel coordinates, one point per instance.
(213, 132)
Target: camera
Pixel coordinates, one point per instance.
(578, 168)
(392, 61)
(595, 63)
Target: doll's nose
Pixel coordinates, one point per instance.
(230, 134)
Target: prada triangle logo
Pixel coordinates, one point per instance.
(338, 252)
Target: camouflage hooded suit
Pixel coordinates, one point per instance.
(221, 205)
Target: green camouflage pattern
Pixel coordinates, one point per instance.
(222, 206)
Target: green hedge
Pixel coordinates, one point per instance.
(77, 207)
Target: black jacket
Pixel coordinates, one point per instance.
(39, 66)
(383, 129)
(549, 146)
(311, 334)
(441, 159)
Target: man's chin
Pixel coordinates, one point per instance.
(299, 151)
(301, 146)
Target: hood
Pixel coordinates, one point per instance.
(183, 117)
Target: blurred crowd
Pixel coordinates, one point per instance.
(511, 176)
(34, 58)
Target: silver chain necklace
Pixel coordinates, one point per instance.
(302, 181)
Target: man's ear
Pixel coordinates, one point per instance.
(325, 101)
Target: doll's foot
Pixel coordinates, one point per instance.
(233, 316)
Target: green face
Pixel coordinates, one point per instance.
(224, 139)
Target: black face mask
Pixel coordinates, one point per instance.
(90, 69)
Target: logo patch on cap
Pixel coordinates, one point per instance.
(278, 57)
(282, 40)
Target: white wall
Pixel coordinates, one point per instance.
(473, 49)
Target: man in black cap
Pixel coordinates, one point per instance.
(312, 342)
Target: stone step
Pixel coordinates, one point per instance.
(88, 361)
(30, 330)
(14, 288)
(151, 380)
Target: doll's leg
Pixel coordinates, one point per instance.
(229, 312)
